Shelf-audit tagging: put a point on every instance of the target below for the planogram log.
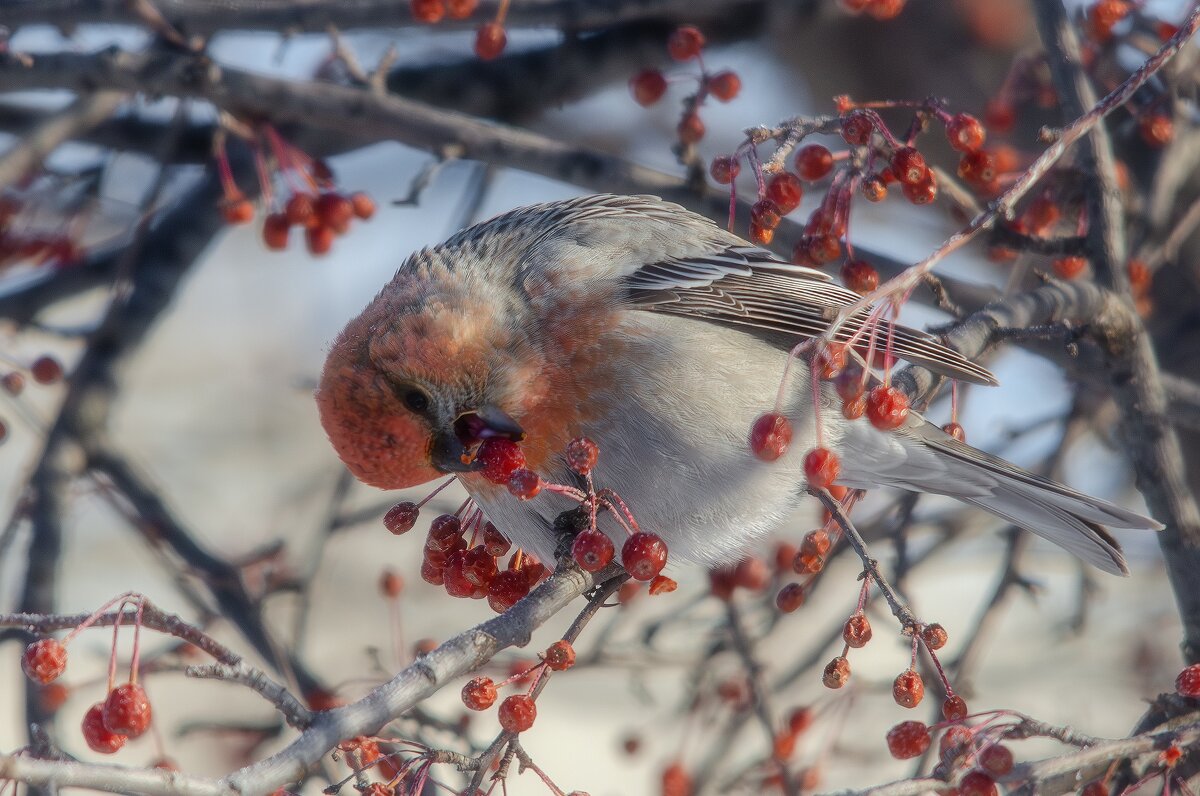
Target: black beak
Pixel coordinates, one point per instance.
(451, 449)
(449, 455)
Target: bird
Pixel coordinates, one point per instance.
(662, 337)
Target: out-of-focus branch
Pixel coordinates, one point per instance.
(28, 152)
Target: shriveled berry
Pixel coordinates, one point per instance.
(46, 370)
(1188, 682)
(996, 760)
(790, 598)
(661, 584)
(770, 436)
(644, 555)
(490, 40)
(816, 543)
(499, 458)
(524, 484)
(432, 573)
(479, 693)
(934, 635)
(506, 589)
(813, 162)
(874, 189)
(648, 87)
(560, 656)
(401, 517)
(860, 276)
(391, 584)
(444, 531)
(428, 11)
(127, 710)
(807, 564)
(275, 231)
(857, 631)
(908, 689)
(724, 169)
(494, 541)
(685, 42)
(908, 739)
(954, 708)
(691, 128)
(517, 713)
(99, 738)
(454, 576)
(821, 467)
(592, 550)
(965, 133)
(786, 191)
(1069, 267)
(856, 128)
(44, 660)
(887, 407)
(909, 165)
(977, 783)
(582, 455)
(479, 566)
(837, 672)
(724, 85)
(765, 213)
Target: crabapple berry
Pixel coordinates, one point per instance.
(1069, 267)
(965, 133)
(275, 231)
(44, 660)
(461, 9)
(479, 693)
(874, 189)
(334, 211)
(236, 211)
(644, 555)
(786, 191)
(934, 635)
(560, 656)
(837, 672)
(12, 383)
(494, 541)
(318, 239)
(401, 517)
(517, 713)
(765, 213)
(816, 543)
(856, 128)
(821, 467)
(751, 574)
(770, 436)
(490, 41)
(524, 484)
(685, 43)
(506, 589)
(363, 205)
(662, 585)
(99, 738)
(977, 783)
(790, 598)
(428, 11)
(582, 455)
(648, 87)
(301, 210)
(954, 708)
(592, 550)
(996, 760)
(908, 739)
(1188, 682)
(1156, 129)
(909, 165)
(444, 532)
(499, 459)
(676, 781)
(857, 631)
(391, 584)
(813, 162)
(908, 689)
(887, 408)
(850, 383)
(127, 710)
(691, 128)
(977, 167)
(724, 169)
(860, 276)
(724, 85)
(46, 370)
(923, 192)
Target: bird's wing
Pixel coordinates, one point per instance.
(747, 287)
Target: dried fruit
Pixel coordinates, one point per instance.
(99, 738)
(517, 713)
(643, 555)
(908, 739)
(127, 710)
(908, 689)
(837, 672)
(857, 631)
(44, 660)
(770, 436)
(401, 517)
(479, 693)
(560, 656)
(648, 87)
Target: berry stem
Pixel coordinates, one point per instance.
(224, 171)
(85, 624)
(439, 488)
(137, 643)
(112, 655)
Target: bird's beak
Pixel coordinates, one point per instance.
(449, 455)
(451, 448)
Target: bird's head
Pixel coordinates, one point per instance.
(410, 388)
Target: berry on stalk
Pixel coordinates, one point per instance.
(301, 210)
(786, 191)
(592, 550)
(560, 656)
(46, 370)
(837, 672)
(724, 169)
(813, 162)
(724, 85)
(582, 455)
(517, 713)
(99, 738)
(770, 436)
(977, 783)
(44, 660)
(965, 133)
(909, 165)
(524, 484)
(506, 589)
(648, 87)
(127, 710)
(790, 598)
(954, 708)
(490, 41)
(428, 11)
(934, 636)
(685, 43)
(856, 128)
(401, 517)
(857, 631)
(908, 689)
(860, 276)
(821, 468)
(275, 231)
(1188, 682)
(479, 693)
(691, 128)
(887, 408)
(908, 739)
(499, 458)
(643, 555)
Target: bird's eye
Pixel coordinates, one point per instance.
(416, 400)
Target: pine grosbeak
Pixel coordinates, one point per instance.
(662, 337)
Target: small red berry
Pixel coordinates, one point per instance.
(524, 484)
(44, 660)
(790, 598)
(391, 584)
(786, 191)
(855, 408)
(499, 459)
(479, 693)
(724, 85)
(319, 239)
(996, 760)
(301, 210)
(592, 550)
(560, 656)
(770, 436)
(752, 574)
(857, 631)
(648, 87)
(824, 248)
(955, 430)
(691, 128)
(46, 370)
(857, 128)
(1041, 216)
(364, 205)
(965, 133)
(12, 383)
(954, 708)
(908, 689)
(582, 455)
(237, 211)
(978, 167)
(765, 213)
(494, 541)
(479, 567)
(1156, 129)
(724, 169)
(662, 585)
(977, 783)
(334, 211)
(490, 41)
(999, 115)
(127, 710)
(837, 672)
(1069, 267)
(813, 162)
(444, 532)
(644, 555)
(887, 408)
(99, 738)
(923, 192)
(461, 9)
(432, 573)
(275, 231)
(401, 517)
(676, 781)
(506, 589)
(909, 165)
(874, 189)
(934, 636)
(685, 43)
(517, 713)
(816, 543)
(761, 235)
(821, 468)
(860, 276)
(1188, 682)
(428, 11)
(908, 739)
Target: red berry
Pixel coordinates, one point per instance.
(461, 9)
(786, 191)
(978, 167)
(821, 468)
(334, 211)
(887, 408)
(1096, 788)
(999, 115)
(837, 672)
(934, 636)
(494, 541)
(127, 710)
(996, 760)
(479, 567)
(506, 589)
(644, 555)
(1187, 683)
(1041, 215)
(954, 708)
(429, 11)
(765, 213)
(676, 781)
(830, 361)
(517, 713)
(499, 459)
(724, 169)
(908, 739)
(490, 41)
(275, 231)
(977, 783)
(965, 133)
(752, 574)
(813, 162)
(44, 660)
(800, 720)
(1069, 267)
(582, 455)
(363, 205)
(724, 85)
(12, 383)
(790, 598)
(1156, 129)
(854, 409)
(53, 696)
(955, 741)
(99, 738)
(860, 276)
(923, 192)
(691, 128)
(592, 550)
(955, 430)
(850, 383)
(560, 656)
(648, 87)
(479, 693)
(909, 165)
(1103, 16)
(824, 248)
(301, 210)
(770, 436)
(444, 532)
(857, 631)
(908, 689)
(685, 43)
(401, 517)
(454, 575)
(236, 211)
(816, 543)
(1139, 280)
(856, 128)
(319, 240)
(807, 564)
(721, 582)
(391, 584)
(46, 370)
(874, 189)
(432, 574)
(524, 484)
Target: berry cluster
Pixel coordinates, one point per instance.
(685, 44)
(490, 37)
(21, 241)
(44, 370)
(297, 191)
(518, 712)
